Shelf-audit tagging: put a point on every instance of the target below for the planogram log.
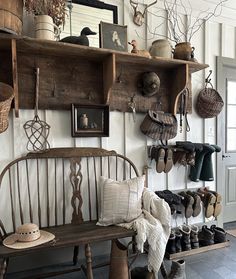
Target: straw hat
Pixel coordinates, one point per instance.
(27, 236)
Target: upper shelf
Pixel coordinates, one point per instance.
(87, 75)
(46, 47)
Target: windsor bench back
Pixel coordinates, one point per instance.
(58, 189)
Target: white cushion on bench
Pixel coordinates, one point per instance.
(121, 201)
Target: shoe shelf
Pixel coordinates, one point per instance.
(197, 251)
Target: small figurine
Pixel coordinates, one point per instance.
(79, 40)
(142, 52)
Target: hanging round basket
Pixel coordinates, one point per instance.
(6, 96)
(209, 103)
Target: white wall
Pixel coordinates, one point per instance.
(213, 39)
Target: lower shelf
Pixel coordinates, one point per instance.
(196, 251)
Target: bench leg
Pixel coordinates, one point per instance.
(75, 255)
(88, 256)
(3, 267)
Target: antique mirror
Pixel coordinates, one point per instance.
(88, 13)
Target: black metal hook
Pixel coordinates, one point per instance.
(208, 79)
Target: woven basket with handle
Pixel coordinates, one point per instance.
(6, 96)
(209, 103)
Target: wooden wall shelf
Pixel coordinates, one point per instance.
(79, 74)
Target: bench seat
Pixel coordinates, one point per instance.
(70, 235)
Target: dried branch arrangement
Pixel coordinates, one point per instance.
(181, 30)
(54, 8)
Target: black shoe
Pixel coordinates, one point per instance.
(219, 234)
(206, 236)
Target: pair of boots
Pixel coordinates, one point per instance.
(191, 202)
(184, 238)
(212, 235)
(177, 270)
(203, 169)
(185, 153)
(171, 198)
(211, 201)
(163, 157)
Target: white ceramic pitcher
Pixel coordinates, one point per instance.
(45, 28)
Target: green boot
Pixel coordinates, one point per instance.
(207, 168)
(195, 170)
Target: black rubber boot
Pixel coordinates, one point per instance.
(195, 170)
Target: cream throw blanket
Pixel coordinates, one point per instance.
(153, 225)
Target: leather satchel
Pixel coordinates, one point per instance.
(159, 125)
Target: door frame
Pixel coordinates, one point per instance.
(220, 182)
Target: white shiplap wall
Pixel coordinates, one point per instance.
(216, 37)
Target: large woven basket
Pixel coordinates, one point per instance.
(6, 96)
(209, 103)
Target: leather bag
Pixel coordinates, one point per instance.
(159, 125)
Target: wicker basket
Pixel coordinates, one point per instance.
(209, 103)
(6, 96)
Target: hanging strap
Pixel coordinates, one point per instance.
(183, 109)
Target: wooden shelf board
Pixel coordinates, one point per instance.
(197, 251)
(47, 47)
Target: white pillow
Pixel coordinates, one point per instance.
(121, 201)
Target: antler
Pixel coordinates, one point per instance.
(153, 3)
(134, 5)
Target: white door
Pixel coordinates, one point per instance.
(226, 137)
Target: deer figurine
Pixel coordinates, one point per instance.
(140, 52)
(139, 17)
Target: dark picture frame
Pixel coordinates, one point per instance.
(99, 5)
(89, 120)
(113, 36)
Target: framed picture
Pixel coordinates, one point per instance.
(113, 36)
(90, 120)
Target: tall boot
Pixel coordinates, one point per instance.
(177, 270)
(119, 261)
(207, 168)
(195, 170)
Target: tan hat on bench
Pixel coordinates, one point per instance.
(27, 236)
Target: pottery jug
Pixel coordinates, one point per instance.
(183, 51)
(161, 48)
(45, 28)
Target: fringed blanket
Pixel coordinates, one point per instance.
(153, 225)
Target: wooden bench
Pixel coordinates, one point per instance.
(58, 189)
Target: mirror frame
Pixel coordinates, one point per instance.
(99, 5)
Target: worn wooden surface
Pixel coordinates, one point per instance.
(70, 235)
(197, 250)
(89, 75)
